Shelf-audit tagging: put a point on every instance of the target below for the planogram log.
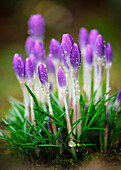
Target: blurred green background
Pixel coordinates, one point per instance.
(61, 16)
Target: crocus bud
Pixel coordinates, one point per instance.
(99, 46)
(33, 59)
(42, 74)
(109, 53)
(89, 55)
(92, 37)
(50, 65)
(29, 45)
(61, 53)
(75, 57)
(36, 26)
(61, 78)
(54, 48)
(18, 66)
(39, 51)
(67, 43)
(83, 37)
(29, 69)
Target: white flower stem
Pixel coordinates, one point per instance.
(107, 83)
(67, 117)
(70, 89)
(51, 112)
(78, 105)
(99, 84)
(26, 101)
(84, 75)
(74, 102)
(32, 108)
(89, 82)
(95, 74)
(68, 123)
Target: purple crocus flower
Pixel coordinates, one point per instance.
(89, 54)
(18, 66)
(29, 69)
(99, 46)
(61, 53)
(42, 74)
(29, 45)
(54, 48)
(61, 78)
(33, 59)
(75, 57)
(109, 53)
(119, 97)
(83, 37)
(92, 37)
(67, 44)
(36, 26)
(39, 51)
(50, 65)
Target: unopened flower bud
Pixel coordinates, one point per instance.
(29, 45)
(18, 66)
(39, 51)
(50, 65)
(99, 46)
(61, 78)
(92, 37)
(29, 69)
(36, 26)
(109, 53)
(89, 55)
(83, 37)
(75, 57)
(67, 44)
(54, 48)
(42, 74)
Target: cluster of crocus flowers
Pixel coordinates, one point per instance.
(59, 70)
(95, 56)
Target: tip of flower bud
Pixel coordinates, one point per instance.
(109, 53)
(75, 57)
(33, 59)
(92, 37)
(89, 54)
(54, 48)
(99, 46)
(39, 51)
(61, 77)
(83, 37)
(42, 74)
(50, 65)
(67, 43)
(36, 26)
(29, 69)
(18, 65)
(29, 43)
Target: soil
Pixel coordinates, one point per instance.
(91, 162)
